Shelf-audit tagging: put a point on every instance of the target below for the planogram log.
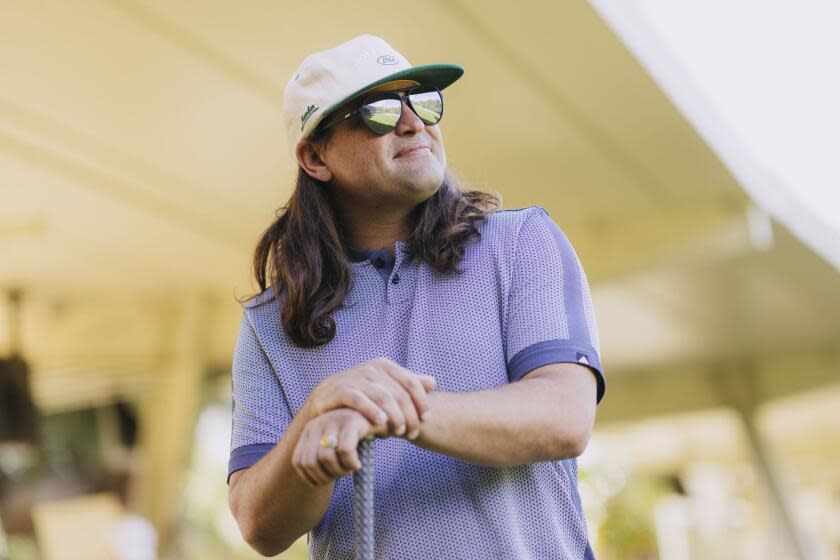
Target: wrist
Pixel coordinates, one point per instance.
(429, 421)
(308, 410)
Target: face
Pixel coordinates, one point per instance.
(399, 169)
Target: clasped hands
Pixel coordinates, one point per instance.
(375, 398)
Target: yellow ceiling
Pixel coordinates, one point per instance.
(142, 153)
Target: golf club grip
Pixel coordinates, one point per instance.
(363, 501)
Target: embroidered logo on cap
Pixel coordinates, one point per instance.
(308, 113)
(582, 359)
(388, 60)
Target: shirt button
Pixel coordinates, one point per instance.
(395, 279)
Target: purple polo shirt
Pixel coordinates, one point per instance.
(520, 301)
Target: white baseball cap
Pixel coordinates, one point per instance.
(326, 80)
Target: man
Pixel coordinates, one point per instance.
(400, 306)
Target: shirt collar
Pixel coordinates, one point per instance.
(361, 255)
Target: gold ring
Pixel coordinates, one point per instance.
(329, 441)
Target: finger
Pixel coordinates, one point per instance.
(364, 405)
(416, 386)
(381, 430)
(327, 455)
(328, 459)
(429, 382)
(297, 461)
(406, 404)
(382, 395)
(309, 459)
(348, 440)
(305, 477)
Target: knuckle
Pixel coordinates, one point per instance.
(377, 397)
(392, 407)
(320, 405)
(398, 416)
(355, 399)
(405, 394)
(379, 394)
(376, 363)
(383, 365)
(404, 400)
(414, 384)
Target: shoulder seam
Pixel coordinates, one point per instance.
(518, 209)
(514, 252)
(535, 211)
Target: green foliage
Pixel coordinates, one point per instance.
(628, 531)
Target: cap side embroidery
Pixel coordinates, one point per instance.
(305, 116)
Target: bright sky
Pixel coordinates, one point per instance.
(770, 71)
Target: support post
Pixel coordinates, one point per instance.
(739, 389)
(168, 413)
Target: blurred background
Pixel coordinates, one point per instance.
(689, 151)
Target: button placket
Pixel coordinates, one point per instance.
(396, 290)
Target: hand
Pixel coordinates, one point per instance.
(317, 464)
(380, 390)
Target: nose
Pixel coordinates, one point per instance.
(409, 121)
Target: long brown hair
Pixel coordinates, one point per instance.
(302, 253)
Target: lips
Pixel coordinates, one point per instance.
(411, 148)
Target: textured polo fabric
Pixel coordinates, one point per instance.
(520, 301)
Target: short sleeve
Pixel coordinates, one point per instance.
(550, 317)
(260, 412)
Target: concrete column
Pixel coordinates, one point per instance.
(168, 412)
(739, 389)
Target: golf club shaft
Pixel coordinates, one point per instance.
(363, 501)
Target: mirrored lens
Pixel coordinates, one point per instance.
(428, 105)
(382, 115)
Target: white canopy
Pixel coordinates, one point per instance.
(758, 80)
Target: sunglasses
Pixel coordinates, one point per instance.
(382, 111)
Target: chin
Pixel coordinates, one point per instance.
(429, 184)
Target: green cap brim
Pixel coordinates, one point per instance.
(440, 76)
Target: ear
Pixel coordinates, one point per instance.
(310, 161)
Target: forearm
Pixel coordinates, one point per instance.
(272, 504)
(519, 423)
